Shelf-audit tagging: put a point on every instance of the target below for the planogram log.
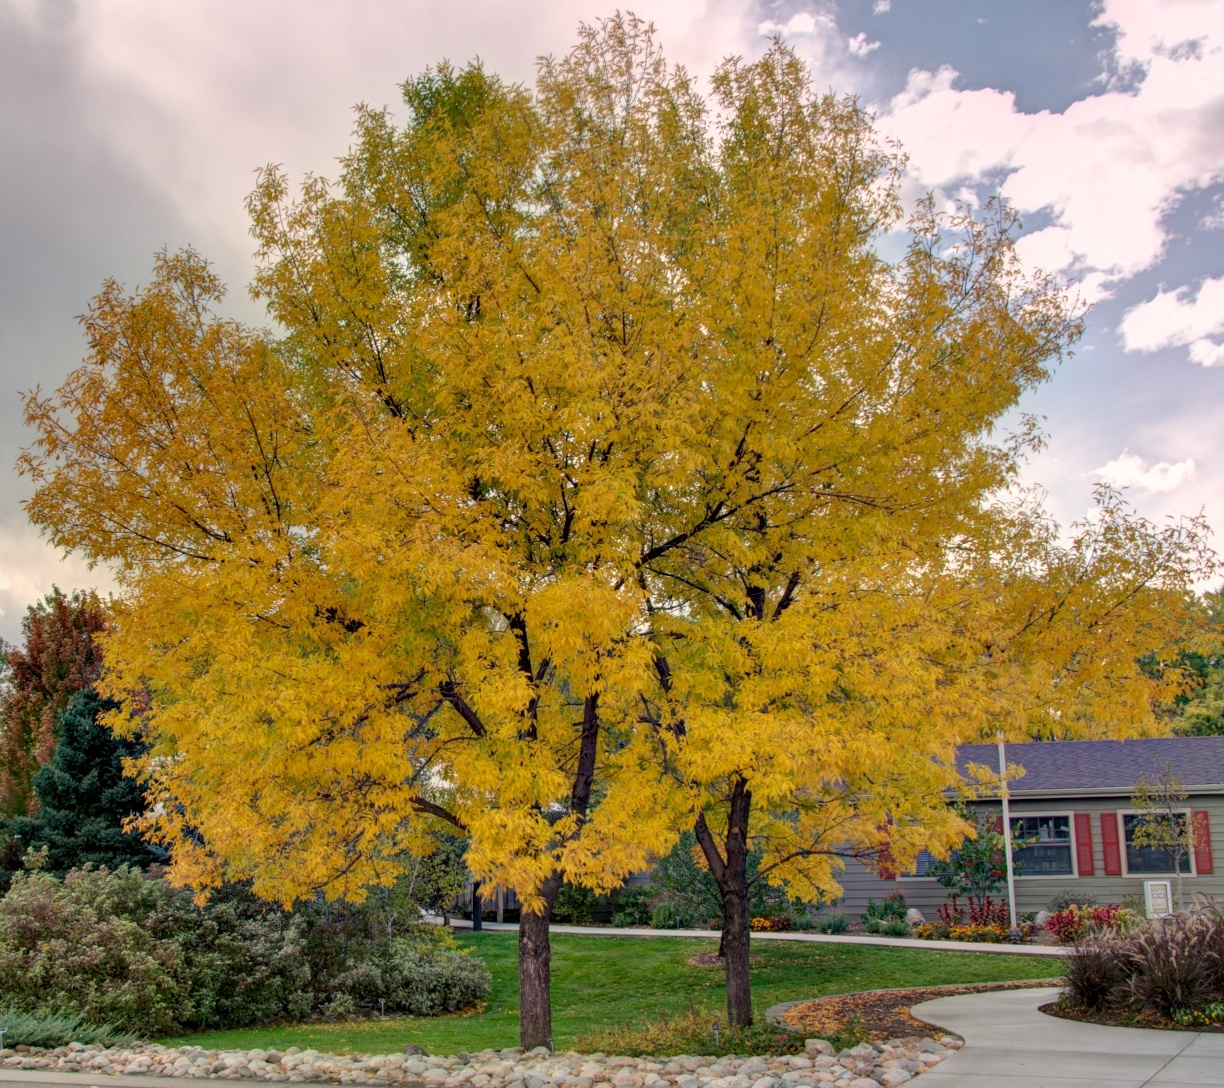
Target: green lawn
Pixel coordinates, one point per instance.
(607, 982)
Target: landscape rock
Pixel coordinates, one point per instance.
(915, 917)
(1042, 920)
(867, 1065)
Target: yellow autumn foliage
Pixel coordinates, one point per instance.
(601, 475)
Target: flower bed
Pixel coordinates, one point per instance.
(1167, 972)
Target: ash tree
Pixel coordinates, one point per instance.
(601, 481)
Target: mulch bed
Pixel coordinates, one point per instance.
(882, 1014)
(1148, 1018)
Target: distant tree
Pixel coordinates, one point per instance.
(1163, 823)
(59, 657)
(83, 796)
(1202, 715)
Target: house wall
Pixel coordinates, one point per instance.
(1034, 893)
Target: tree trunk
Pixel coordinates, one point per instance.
(730, 873)
(535, 958)
(535, 1008)
(737, 936)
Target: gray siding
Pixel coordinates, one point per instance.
(1034, 893)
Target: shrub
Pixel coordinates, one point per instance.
(672, 914)
(52, 1029)
(631, 906)
(892, 907)
(1076, 922)
(985, 912)
(832, 923)
(1095, 972)
(426, 980)
(125, 948)
(574, 905)
(1173, 966)
(889, 927)
(1170, 965)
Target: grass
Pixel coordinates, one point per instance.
(600, 984)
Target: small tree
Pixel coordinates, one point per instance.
(59, 656)
(83, 796)
(977, 868)
(1163, 823)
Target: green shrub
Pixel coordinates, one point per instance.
(631, 906)
(52, 1029)
(892, 908)
(574, 906)
(893, 927)
(426, 980)
(672, 914)
(125, 948)
(833, 923)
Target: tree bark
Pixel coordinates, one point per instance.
(535, 959)
(535, 955)
(731, 875)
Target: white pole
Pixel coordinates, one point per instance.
(1007, 842)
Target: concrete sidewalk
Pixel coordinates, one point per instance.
(818, 938)
(1010, 1044)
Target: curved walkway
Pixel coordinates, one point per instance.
(1009, 1043)
(819, 938)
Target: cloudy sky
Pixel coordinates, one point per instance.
(130, 125)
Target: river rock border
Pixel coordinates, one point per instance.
(865, 1066)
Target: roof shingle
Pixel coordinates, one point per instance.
(1098, 766)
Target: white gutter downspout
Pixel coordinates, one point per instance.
(1007, 840)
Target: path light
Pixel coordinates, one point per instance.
(717, 1041)
(551, 1049)
(2, 1031)
(382, 1007)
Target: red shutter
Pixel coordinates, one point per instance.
(1109, 844)
(1083, 844)
(1201, 823)
(998, 825)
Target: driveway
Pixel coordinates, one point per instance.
(1009, 1044)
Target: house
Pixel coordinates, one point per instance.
(1073, 823)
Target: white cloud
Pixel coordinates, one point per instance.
(881, 7)
(803, 23)
(1106, 169)
(859, 46)
(28, 569)
(1130, 470)
(199, 93)
(1179, 318)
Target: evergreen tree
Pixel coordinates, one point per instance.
(83, 795)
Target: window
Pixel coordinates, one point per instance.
(922, 865)
(1149, 859)
(1041, 845)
